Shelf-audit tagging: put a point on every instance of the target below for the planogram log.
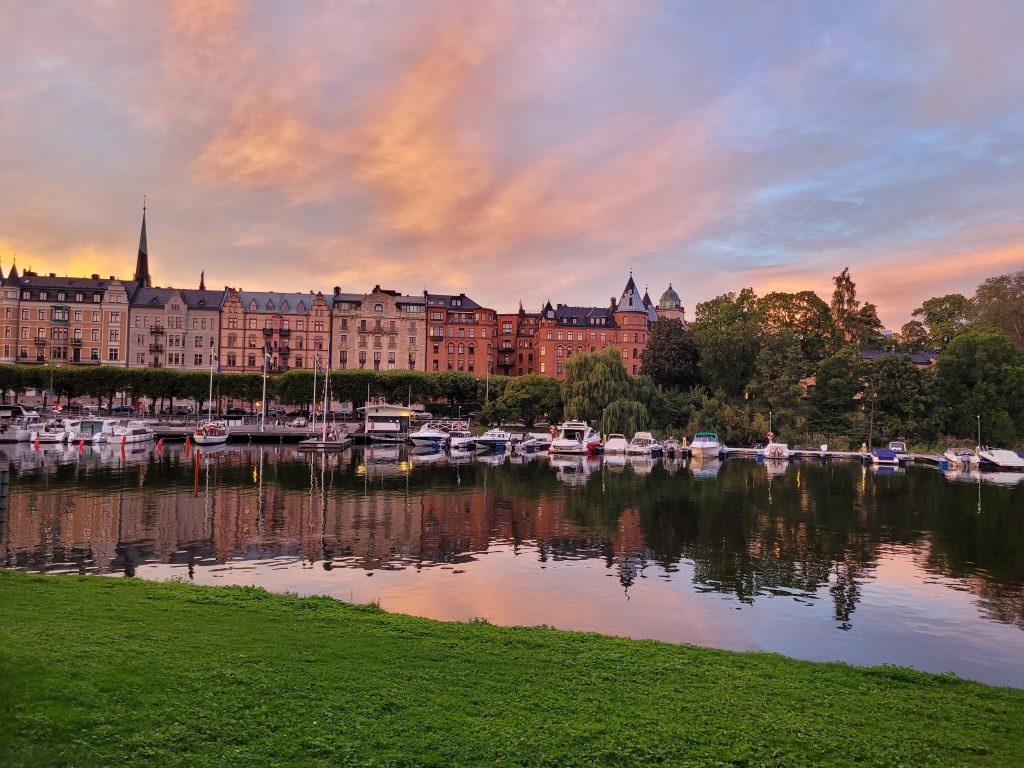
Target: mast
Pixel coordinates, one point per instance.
(316, 367)
(209, 406)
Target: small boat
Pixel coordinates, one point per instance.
(211, 433)
(128, 432)
(884, 456)
(576, 437)
(1000, 458)
(644, 444)
(535, 441)
(673, 447)
(97, 431)
(706, 444)
(494, 440)
(616, 443)
(963, 458)
(898, 447)
(776, 451)
(460, 440)
(17, 430)
(54, 431)
(429, 436)
(327, 440)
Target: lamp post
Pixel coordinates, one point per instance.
(979, 431)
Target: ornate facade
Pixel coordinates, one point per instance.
(381, 331)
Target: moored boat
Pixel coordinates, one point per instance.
(777, 451)
(884, 456)
(615, 443)
(962, 458)
(1000, 458)
(706, 444)
(429, 436)
(128, 432)
(211, 433)
(672, 447)
(460, 440)
(576, 437)
(494, 440)
(53, 431)
(898, 447)
(327, 439)
(643, 444)
(97, 431)
(535, 441)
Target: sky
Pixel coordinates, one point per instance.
(518, 151)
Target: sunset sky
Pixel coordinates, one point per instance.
(518, 151)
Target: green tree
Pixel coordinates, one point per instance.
(943, 317)
(901, 398)
(805, 315)
(670, 357)
(981, 373)
(912, 337)
(998, 305)
(626, 417)
(528, 399)
(779, 368)
(838, 383)
(726, 333)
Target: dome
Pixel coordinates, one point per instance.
(670, 299)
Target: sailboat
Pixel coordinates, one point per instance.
(211, 432)
(329, 438)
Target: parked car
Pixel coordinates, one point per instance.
(300, 421)
(238, 412)
(275, 410)
(122, 410)
(422, 415)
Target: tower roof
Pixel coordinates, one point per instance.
(670, 299)
(142, 277)
(631, 301)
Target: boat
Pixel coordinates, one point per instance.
(616, 443)
(460, 440)
(328, 439)
(644, 444)
(1000, 458)
(96, 431)
(494, 440)
(211, 432)
(884, 456)
(429, 436)
(962, 458)
(52, 431)
(673, 447)
(898, 447)
(776, 451)
(706, 444)
(16, 430)
(535, 441)
(133, 431)
(386, 423)
(576, 437)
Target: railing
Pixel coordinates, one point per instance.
(268, 331)
(286, 332)
(76, 342)
(285, 350)
(156, 347)
(156, 330)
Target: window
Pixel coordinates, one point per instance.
(559, 369)
(378, 309)
(252, 361)
(543, 367)
(559, 351)
(232, 359)
(506, 327)
(343, 357)
(112, 353)
(43, 295)
(197, 360)
(549, 335)
(362, 358)
(115, 334)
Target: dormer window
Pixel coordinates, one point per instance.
(285, 307)
(302, 308)
(252, 305)
(270, 305)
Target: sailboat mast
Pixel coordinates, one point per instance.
(209, 407)
(316, 366)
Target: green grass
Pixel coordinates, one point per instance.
(107, 672)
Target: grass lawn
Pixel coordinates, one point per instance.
(105, 672)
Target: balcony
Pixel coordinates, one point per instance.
(436, 336)
(268, 331)
(285, 350)
(157, 329)
(39, 342)
(286, 332)
(156, 347)
(76, 342)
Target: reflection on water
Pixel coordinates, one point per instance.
(822, 561)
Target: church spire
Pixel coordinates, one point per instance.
(142, 277)
(202, 280)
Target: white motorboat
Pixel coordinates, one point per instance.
(130, 432)
(615, 444)
(51, 432)
(429, 436)
(460, 440)
(777, 451)
(706, 444)
(1000, 458)
(961, 458)
(211, 433)
(644, 444)
(17, 430)
(673, 447)
(535, 441)
(96, 431)
(576, 437)
(898, 447)
(327, 440)
(494, 440)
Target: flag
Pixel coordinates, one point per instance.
(266, 358)
(216, 359)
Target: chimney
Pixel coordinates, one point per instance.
(337, 290)
(94, 276)
(613, 304)
(53, 274)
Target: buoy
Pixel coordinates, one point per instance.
(159, 443)
(81, 445)
(35, 445)
(124, 440)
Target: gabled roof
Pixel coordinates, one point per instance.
(917, 358)
(203, 299)
(152, 297)
(582, 317)
(631, 301)
(270, 301)
(13, 274)
(31, 279)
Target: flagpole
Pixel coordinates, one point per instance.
(263, 411)
(209, 407)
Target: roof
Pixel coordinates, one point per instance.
(670, 299)
(203, 299)
(152, 297)
(917, 358)
(631, 301)
(279, 303)
(584, 316)
(30, 279)
(446, 300)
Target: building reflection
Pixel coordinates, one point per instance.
(810, 531)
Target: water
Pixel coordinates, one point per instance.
(824, 562)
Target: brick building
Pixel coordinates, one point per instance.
(515, 352)
(460, 334)
(293, 328)
(382, 330)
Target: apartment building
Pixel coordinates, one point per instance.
(460, 334)
(382, 330)
(174, 328)
(516, 353)
(292, 328)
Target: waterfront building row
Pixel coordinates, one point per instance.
(56, 320)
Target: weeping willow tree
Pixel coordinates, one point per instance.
(598, 390)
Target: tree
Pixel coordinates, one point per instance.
(671, 358)
(902, 399)
(844, 305)
(998, 305)
(594, 380)
(943, 317)
(528, 398)
(779, 368)
(726, 333)
(838, 383)
(912, 337)
(625, 417)
(981, 373)
(806, 316)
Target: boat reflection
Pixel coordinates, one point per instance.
(704, 468)
(574, 469)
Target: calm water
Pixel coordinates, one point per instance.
(819, 562)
